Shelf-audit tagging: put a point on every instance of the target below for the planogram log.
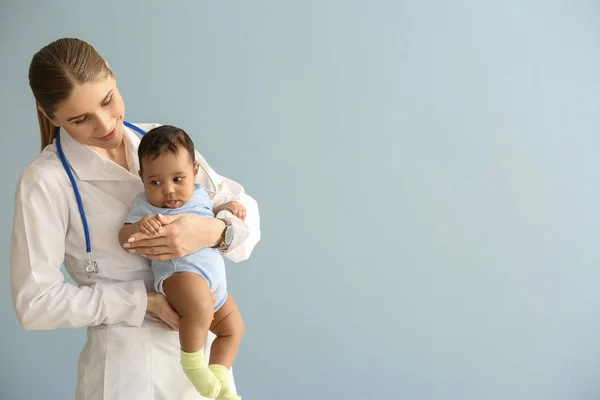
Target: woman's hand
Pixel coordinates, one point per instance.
(159, 306)
(179, 236)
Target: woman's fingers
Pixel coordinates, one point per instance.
(170, 317)
(147, 241)
(159, 306)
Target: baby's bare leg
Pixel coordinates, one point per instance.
(190, 295)
(229, 328)
(228, 325)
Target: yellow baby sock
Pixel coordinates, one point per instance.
(205, 382)
(222, 373)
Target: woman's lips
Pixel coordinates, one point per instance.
(110, 135)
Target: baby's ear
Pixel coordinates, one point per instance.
(196, 168)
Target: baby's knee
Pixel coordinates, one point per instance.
(199, 308)
(237, 325)
(204, 307)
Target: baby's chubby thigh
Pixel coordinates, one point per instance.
(207, 263)
(211, 266)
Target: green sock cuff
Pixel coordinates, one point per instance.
(193, 360)
(220, 371)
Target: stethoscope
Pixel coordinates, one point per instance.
(91, 267)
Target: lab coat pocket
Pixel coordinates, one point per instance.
(128, 367)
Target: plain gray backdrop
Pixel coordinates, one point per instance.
(427, 172)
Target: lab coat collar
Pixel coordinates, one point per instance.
(91, 166)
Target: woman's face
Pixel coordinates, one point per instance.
(93, 114)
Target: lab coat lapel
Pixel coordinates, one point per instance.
(91, 166)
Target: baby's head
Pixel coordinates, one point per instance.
(168, 166)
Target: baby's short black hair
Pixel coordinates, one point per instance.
(165, 138)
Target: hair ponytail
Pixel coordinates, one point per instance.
(47, 129)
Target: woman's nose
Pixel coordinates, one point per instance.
(105, 123)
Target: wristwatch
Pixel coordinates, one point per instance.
(227, 236)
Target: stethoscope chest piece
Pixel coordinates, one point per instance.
(91, 267)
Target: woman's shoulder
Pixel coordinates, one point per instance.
(44, 168)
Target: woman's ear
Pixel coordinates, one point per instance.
(46, 115)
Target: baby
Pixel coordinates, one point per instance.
(194, 285)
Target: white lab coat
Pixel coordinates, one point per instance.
(128, 354)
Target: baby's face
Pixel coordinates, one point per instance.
(169, 179)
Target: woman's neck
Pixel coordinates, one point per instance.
(116, 155)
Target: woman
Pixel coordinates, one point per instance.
(132, 348)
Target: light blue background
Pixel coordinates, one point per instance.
(427, 171)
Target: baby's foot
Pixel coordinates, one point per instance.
(222, 373)
(203, 379)
(227, 395)
(205, 382)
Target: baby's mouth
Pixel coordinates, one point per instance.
(172, 203)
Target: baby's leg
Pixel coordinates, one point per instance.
(229, 328)
(228, 325)
(190, 295)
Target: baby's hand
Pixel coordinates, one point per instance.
(149, 225)
(233, 207)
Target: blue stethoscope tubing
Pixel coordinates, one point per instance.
(90, 265)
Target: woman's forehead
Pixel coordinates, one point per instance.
(86, 98)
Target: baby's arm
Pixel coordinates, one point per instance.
(140, 219)
(126, 231)
(149, 225)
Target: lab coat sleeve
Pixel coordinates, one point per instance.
(246, 234)
(41, 298)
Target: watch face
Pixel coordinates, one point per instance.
(228, 235)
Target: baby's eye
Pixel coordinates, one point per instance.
(155, 183)
(177, 180)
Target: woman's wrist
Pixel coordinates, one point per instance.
(217, 233)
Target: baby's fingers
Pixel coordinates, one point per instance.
(155, 225)
(240, 211)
